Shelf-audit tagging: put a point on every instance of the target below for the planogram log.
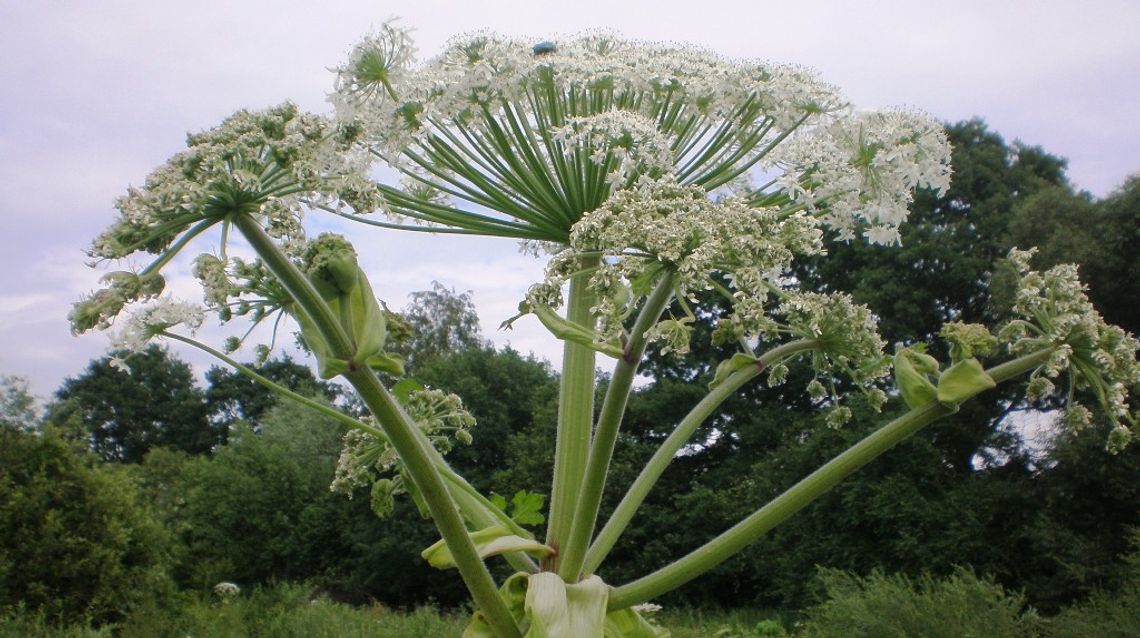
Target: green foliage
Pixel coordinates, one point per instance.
(233, 397)
(288, 611)
(525, 507)
(17, 405)
(76, 543)
(126, 414)
(1106, 614)
(257, 510)
(439, 321)
(1102, 236)
(886, 606)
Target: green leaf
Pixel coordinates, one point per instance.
(490, 541)
(527, 508)
(738, 361)
(388, 362)
(911, 370)
(498, 501)
(558, 610)
(962, 381)
(404, 388)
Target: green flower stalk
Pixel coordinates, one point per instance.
(648, 174)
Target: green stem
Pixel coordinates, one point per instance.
(326, 410)
(404, 435)
(801, 494)
(605, 434)
(676, 440)
(474, 505)
(575, 413)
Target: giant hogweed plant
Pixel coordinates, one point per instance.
(646, 174)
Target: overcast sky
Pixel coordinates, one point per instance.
(95, 93)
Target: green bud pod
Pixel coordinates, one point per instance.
(363, 318)
(962, 381)
(912, 381)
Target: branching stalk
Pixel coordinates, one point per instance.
(676, 440)
(801, 494)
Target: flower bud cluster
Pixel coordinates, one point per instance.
(662, 225)
(101, 307)
(1100, 358)
(367, 460)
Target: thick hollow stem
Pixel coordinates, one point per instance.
(403, 434)
(676, 440)
(800, 495)
(575, 413)
(605, 434)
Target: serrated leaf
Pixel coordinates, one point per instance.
(962, 381)
(526, 508)
(498, 501)
(490, 541)
(728, 366)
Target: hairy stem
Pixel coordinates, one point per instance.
(575, 414)
(801, 494)
(676, 440)
(605, 434)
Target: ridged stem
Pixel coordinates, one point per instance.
(605, 434)
(575, 414)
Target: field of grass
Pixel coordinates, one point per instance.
(291, 611)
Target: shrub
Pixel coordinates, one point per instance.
(75, 542)
(885, 606)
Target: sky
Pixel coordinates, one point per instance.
(95, 93)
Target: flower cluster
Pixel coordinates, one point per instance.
(847, 342)
(262, 163)
(625, 140)
(145, 323)
(363, 457)
(665, 226)
(860, 172)
(544, 134)
(1100, 358)
(101, 307)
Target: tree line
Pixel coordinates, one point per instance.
(135, 485)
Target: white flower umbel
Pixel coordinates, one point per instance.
(860, 172)
(145, 323)
(256, 162)
(540, 135)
